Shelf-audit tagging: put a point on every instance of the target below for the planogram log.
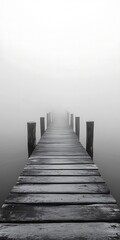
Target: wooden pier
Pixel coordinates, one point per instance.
(60, 193)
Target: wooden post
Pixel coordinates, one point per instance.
(49, 117)
(31, 134)
(72, 121)
(77, 126)
(42, 125)
(47, 120)
(89, 138)
(68, 118)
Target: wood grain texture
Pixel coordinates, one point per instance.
(61, 188)
(59, 198)
(58, 179)
(70, 213)
(58, 153)
(60, 231)
(60, 157)
(31, 135)
(61, 167)
(89, 137)
(50, 172)
(42, 125)
(63, 161)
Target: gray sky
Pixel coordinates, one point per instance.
(64, 50)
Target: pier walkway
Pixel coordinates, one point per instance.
(60, 194)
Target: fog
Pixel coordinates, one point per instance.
(58, 55)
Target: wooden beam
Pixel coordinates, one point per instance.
(50, 117)
(72, 121)
(47, 120)
(77, 126)
(68, 118)
(31, 135)
(42, 125)
(89, 138)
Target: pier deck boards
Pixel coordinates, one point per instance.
(60, 194)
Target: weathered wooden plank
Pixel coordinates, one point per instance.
(61, 188)
(58, 146)
(68, 138)
(62, 179)
(61, 150)
(64, 147)
(59, 198)
(61, 157)
(60, 231)
(58, 136)
(59, 141)
(62, 167)
(67, 144)
(33, 213)
(60, 133)
(60, 172)
(59, 161)
(58, 154)
(62, 130)
(67, 213)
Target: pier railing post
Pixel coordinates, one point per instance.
(89, 138)
(50, 117)
(71, 123)
(47, 120)
(68, 118)
(42, 125)
(77, 126)
(31, 135)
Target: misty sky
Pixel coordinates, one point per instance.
(59, 55)
(53, 48)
